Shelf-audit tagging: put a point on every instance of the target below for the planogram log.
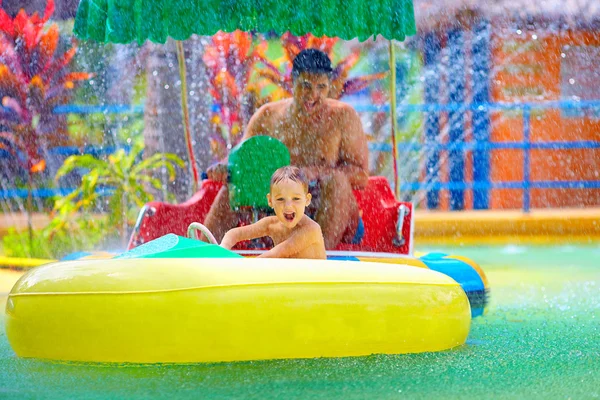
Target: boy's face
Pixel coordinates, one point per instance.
(288, 199)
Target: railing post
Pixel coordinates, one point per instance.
(480, 83)
(456, 118)
(431, 51)
(526, 160)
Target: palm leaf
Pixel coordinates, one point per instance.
(130, 158)
(154, 182)
(85, 161)
(89, 182)
(159, 161)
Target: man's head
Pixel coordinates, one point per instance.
(311, 75)
(289, 195)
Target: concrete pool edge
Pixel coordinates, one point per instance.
(539, 226)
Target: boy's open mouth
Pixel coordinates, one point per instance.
(289, 216)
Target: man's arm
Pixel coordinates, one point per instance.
(257, 124)
(298, 241)
(354, 152)
(236, 235)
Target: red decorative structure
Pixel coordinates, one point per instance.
(384, 232)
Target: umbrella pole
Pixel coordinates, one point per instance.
(186, 115)
(393, 116)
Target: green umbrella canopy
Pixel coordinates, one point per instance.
(125, 21)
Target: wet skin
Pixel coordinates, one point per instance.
(293, 233)
(325, 139)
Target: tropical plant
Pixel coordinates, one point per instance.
(230, 59)
(279, 71)
(84, 233)
(34, 79)
(123, 182)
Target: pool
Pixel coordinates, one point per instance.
(540, 338)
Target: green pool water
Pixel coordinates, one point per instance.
(540, 339)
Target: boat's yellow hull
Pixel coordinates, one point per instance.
(207, 310)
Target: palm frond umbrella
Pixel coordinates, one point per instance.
(125, 21)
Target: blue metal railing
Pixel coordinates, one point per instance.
(526, 145)
(44, 193)
(100, 109)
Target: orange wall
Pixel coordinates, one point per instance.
(529, 69)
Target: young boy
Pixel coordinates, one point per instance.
(294, 234)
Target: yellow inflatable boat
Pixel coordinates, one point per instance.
(185, 310)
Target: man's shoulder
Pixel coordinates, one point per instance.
(266, 117)
(274, 107)
(338, 104)
(341, 108)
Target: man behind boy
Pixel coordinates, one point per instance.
(325, 139)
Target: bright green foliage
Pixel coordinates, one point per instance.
(128, 180)
(59, 238)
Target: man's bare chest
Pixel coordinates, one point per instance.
(310, 143)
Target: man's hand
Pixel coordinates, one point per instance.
(218, 172)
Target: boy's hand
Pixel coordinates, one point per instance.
(229, 240)
(226, 244)
(218, 172)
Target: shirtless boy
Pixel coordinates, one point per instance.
(294, 234)
(325, 140)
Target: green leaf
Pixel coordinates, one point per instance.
(85, 161)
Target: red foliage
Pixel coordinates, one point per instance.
(229, 59)
(33, 81)
(293, 45)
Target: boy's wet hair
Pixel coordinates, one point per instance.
(312, 61)
(292, 173)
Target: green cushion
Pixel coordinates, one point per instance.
(251, 164)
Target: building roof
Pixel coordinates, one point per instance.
(433, 13)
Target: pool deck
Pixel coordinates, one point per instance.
(539, 226)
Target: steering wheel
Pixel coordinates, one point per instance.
(192, 232)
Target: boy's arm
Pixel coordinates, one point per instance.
(256, 230)
(297, 242)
